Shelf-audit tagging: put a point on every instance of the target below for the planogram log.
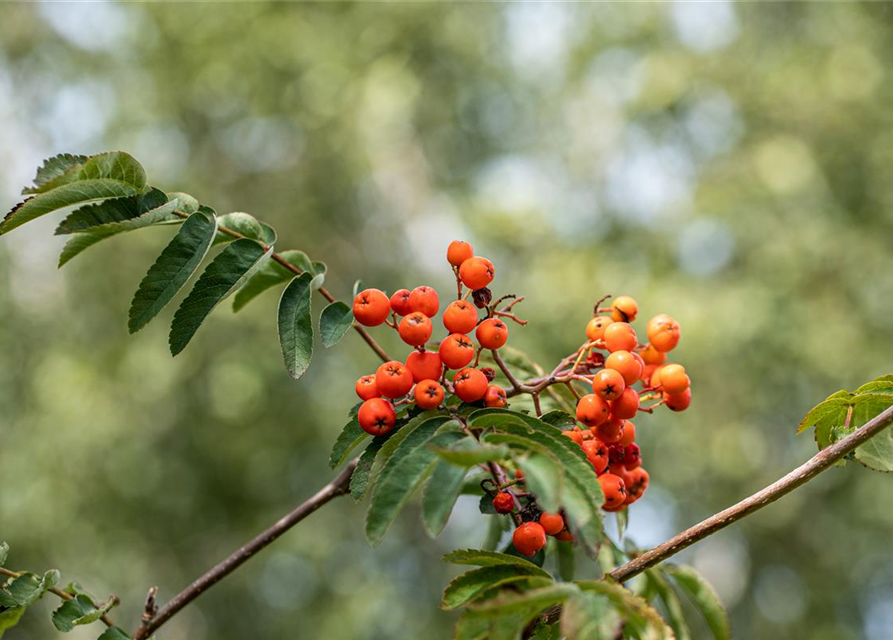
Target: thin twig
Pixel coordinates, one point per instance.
(516, 386)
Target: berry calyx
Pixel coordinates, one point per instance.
(595, 329)
(663, 332)
(492, 333)
(626, 364)
(529, 538)
(627, 405)
(376, 416)
(424, 300)
(460, 316)
(597, 453)
(400, 302)
(503, 502)
(415, 329)
(624, 309)
(428, 394)
(592, 410)
(552, 523)
(470, 385)
(614, 489)
(424, 365)
(608, 384)
(458, 252)
(371, 307)
(495, 396)
(476, 272)
(393, 379)
(456, 351)
(620, 336)
(366, 389)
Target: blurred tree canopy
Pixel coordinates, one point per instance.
(724, 163)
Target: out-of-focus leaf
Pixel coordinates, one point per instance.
(566, 561)
(670, 599)
(4, 553)
(472, 584)
(334, 321)
(78, 611)
(113, 633)
(27, 589)
(296, 326)
(468, 452)
(642, 620)
(482, 558)
(441, 493)
(10, 618)
(704, 598)
(589, 616)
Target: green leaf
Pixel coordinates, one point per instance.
(319, 275)
(430, 420)
(357, 287)
(622, 518)
(4, 553)
(66, 617)
(335, 320)
(589, 616)
(295, 325)
(359, 479)
(884, 384)
(877, 453)
(472, 627)
(172, 269)
(268, 234)
(56, 171)
(672, 605)
(482, 558)
(27, 589)
(240, 222)
(472, 584)
(349, 438)
(401, 475)
(120, 212)
(270, 275)
(77, 245)
(186, 203)
(528, 603)
(108, 175)
(642, 620)
(222, 277)
(704, 598)
(441, 493)
(468, 452)
(10, 618)
(113, 633)
(827, 414)
(560, 419)
(567, 565)
(545, 479)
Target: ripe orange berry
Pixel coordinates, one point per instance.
(654, 380)
(424, 300)
(627, 405)
(620, 336)
(476, 272)
(377, 416)
(610, 431)
(678, 401)
(608, 384)
(627, 434)
(415, 329)
(663, 332)
(624, 309)
(458, 252)
(371, 307)
(470, 385)
(529, 538)
(648, 373)
(592, 410)
(614, 490)
(495, 396)
(636, 484)
(552, 523)
(366, 388)
(652, 356)
(564, 536)
(673, 378)
(574, 434)
(492, 333)
(595, 329)
(456, 351)
(393, 379)
(424, 365)
(428, 394)
(460, 316)
(400, 302)
(626, 364)
(597, 453)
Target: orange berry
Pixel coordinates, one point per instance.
(614, 490)
(552, 523)
(376, 416)
(476, 272)
(424, 365)
(595, 329)
(673, 378)
(393, 379)
(460, 316)
(608, 384)
(428, 394)
(624, 309)
(620, 336)
(652, 356)
(458, 252)
(565, 536)
(495, 396)
(609, 431)
(492, 333)
(597, 453)
(366, 389)
(626, 364)
(456, 351)
(648, 373)
(529, 538)
(636, 484)
(663, 332)
(627, 405)
(678, 401)
(574, 434)
(424, 300)
(470, 385)
(415, 329)
(371, 307)
(400, 302)
(592, 410)
(627, 434)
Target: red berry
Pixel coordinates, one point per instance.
(366, 389)
(495, 396)
(415, 329)
(592, 410)
(614, 490)
(610, 431)
(492, 333)
(624, 309)
(632, 456)
(424, 365)
(595, 329)
(574, 434)
(371, 307)
(616, 454)
(626, 405)
(663, 332)
(460, 316)
(400, 302)
(503, 502)
(376, 416)
(393, 379)
(458, 252)
(424, 300)
(428, 394)
(565, 536)
(552, 523)
(597, 453)
(529, 538)
(470, 385)
(476, 272)
(636, 484)
(678, 401)
(673, 378)
(627, 434)
(456, 351)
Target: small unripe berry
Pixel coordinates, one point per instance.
(624, 309)
(495, 396)
(627, 405)
(460, 316)
(595, 329)
(503, 502)
(366, 389)
(492, 333)
(626, 364)
(393, 379)
(456, 351)
(424, 300)
(613, 488)
(400, 302)
(424, 365)
(415, 329)
(608, 384)
(428, 394)
(470, 385)
(458, 252)
(592, 410)
(376, 416)
(476, 272)
(529, 538)
(552, 523)
(620, 336)
(371, 307)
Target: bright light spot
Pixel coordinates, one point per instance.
(263, 144)
(615, 76)
(705, 246)
(538, 38)
(853, 73)
(165, 149)
(74, 116)
(713, 123)
(780, 594)
(653, 519)
(92, 26)
(515, 183)
(785, 164)
(725, 562)
(705, 26)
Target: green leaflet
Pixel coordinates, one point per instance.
(589, 616)
(642, 620)
(468, 452)
(482, 558)
(27, 589)
(359, 479)
(670, 599)
(349, 438)
(113, 633)
(704, 598)
(243, 223)
(472, 584)
(107, 215)
(441, 493)
(4, 553)
(270, 275)
(56, 171)
(172, 269)
(295, 325)
(335, 320)
(79, 611)
(223, 276)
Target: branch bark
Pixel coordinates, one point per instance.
(337, 487)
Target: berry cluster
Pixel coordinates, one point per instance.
(422, 378)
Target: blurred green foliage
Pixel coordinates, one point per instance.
(727, 164)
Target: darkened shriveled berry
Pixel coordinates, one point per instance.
(503, 502)
(376, 416)
(424, 365)
(476, 273)
(400, 302)
(428, 394)
(482, 297)
(613, 488)
(371, 307)
(366, 389)
(552, 523)
(460, 316)
(616, 454)
(458, 252)
(529, 538)
(470, 385)
(424, 300)
(490, 372)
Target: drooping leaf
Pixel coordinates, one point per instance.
(528, 603)
(79, 611)
(270, 275)
(670, 599)
(704, 598)
(268, 234)
(567, 565)
(622, 519)
(296, 326)
(589, 616)
(222, 277)
(56, 171)
(118, 211)
(335, 320)
(243, 223)
(107, 175)
(468, 452)
(10, 618)
(473, 584)
(441, 493)
(349, 438)
(642, 620)
(483, 558)
(172, 269)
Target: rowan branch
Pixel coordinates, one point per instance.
(337, 487)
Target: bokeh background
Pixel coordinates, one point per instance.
(728, 164)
